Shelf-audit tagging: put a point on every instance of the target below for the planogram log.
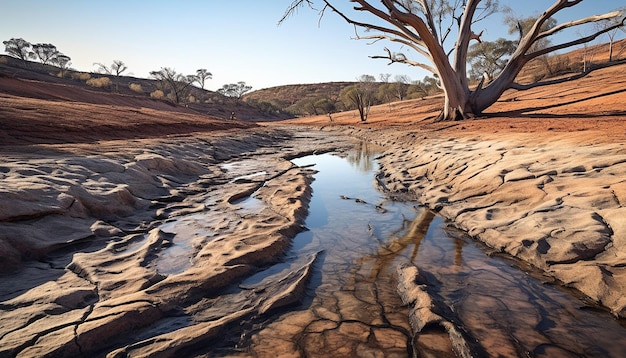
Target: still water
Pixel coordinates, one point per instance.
(352, 307)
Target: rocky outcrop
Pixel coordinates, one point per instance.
(126, 249)
(431, 318)
(553, 202)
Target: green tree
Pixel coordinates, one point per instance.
(325, 105)
(19, 48)
(63, 62)
(440, 32)
(422, 88)
(264, 106)
(360, 95)
(401, 86)
(202, 75)
(488, 58)
(45, 53)
(523, 26)
(386, 92)
(235, 91)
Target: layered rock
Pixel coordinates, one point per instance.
(553, 202)
(124, 249)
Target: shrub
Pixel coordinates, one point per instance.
(135, 87)
(81, 76)
(158, 94)
(100, 82)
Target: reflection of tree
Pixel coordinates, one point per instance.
(458, 251)
(362, 157)
(414, 235)
(459, 243)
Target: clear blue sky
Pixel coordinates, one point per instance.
(235, 40)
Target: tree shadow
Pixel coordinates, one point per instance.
(525, 111)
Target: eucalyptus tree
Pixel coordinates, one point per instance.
(422, 88)
(178, 84)
(360, 95)
(116, 69)
(202, 75)
(19, 48)
(488, 58)
(612, 35)
(46, 53)
(401, 86)
(440, 31)
(63, 62)
(234, 90)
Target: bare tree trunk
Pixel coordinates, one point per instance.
(456, 106)
(415, 25)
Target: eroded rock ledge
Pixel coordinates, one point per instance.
(124, 248)
(87, 232)
(556, 202)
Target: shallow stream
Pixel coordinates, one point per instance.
(352, 307)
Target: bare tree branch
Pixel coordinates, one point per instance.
(400, 58)
(293, 8)
(531, 37)
(586, 20)
(462, 43)
(429, 18)
(579, 41)
(418, 49)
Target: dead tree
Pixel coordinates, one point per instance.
(428, 27)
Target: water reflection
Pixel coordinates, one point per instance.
(354, 309)
(414, 233)
(362, 157)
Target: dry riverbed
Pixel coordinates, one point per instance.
(89, 265)
(553, 200)
(91, 268)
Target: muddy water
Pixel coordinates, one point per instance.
(352, 307)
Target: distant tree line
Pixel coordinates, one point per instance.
(46, 53)
(170, 84)
(486, 59)
(360, 95)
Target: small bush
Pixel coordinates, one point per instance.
(100, 82)
(135, 87)
(158, 94)
(4, 60)
(81, 76)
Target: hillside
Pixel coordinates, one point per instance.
(286, 98)
(293, 98)
(30, 90)
(290, 94)
(37, 108)
(73, 86)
